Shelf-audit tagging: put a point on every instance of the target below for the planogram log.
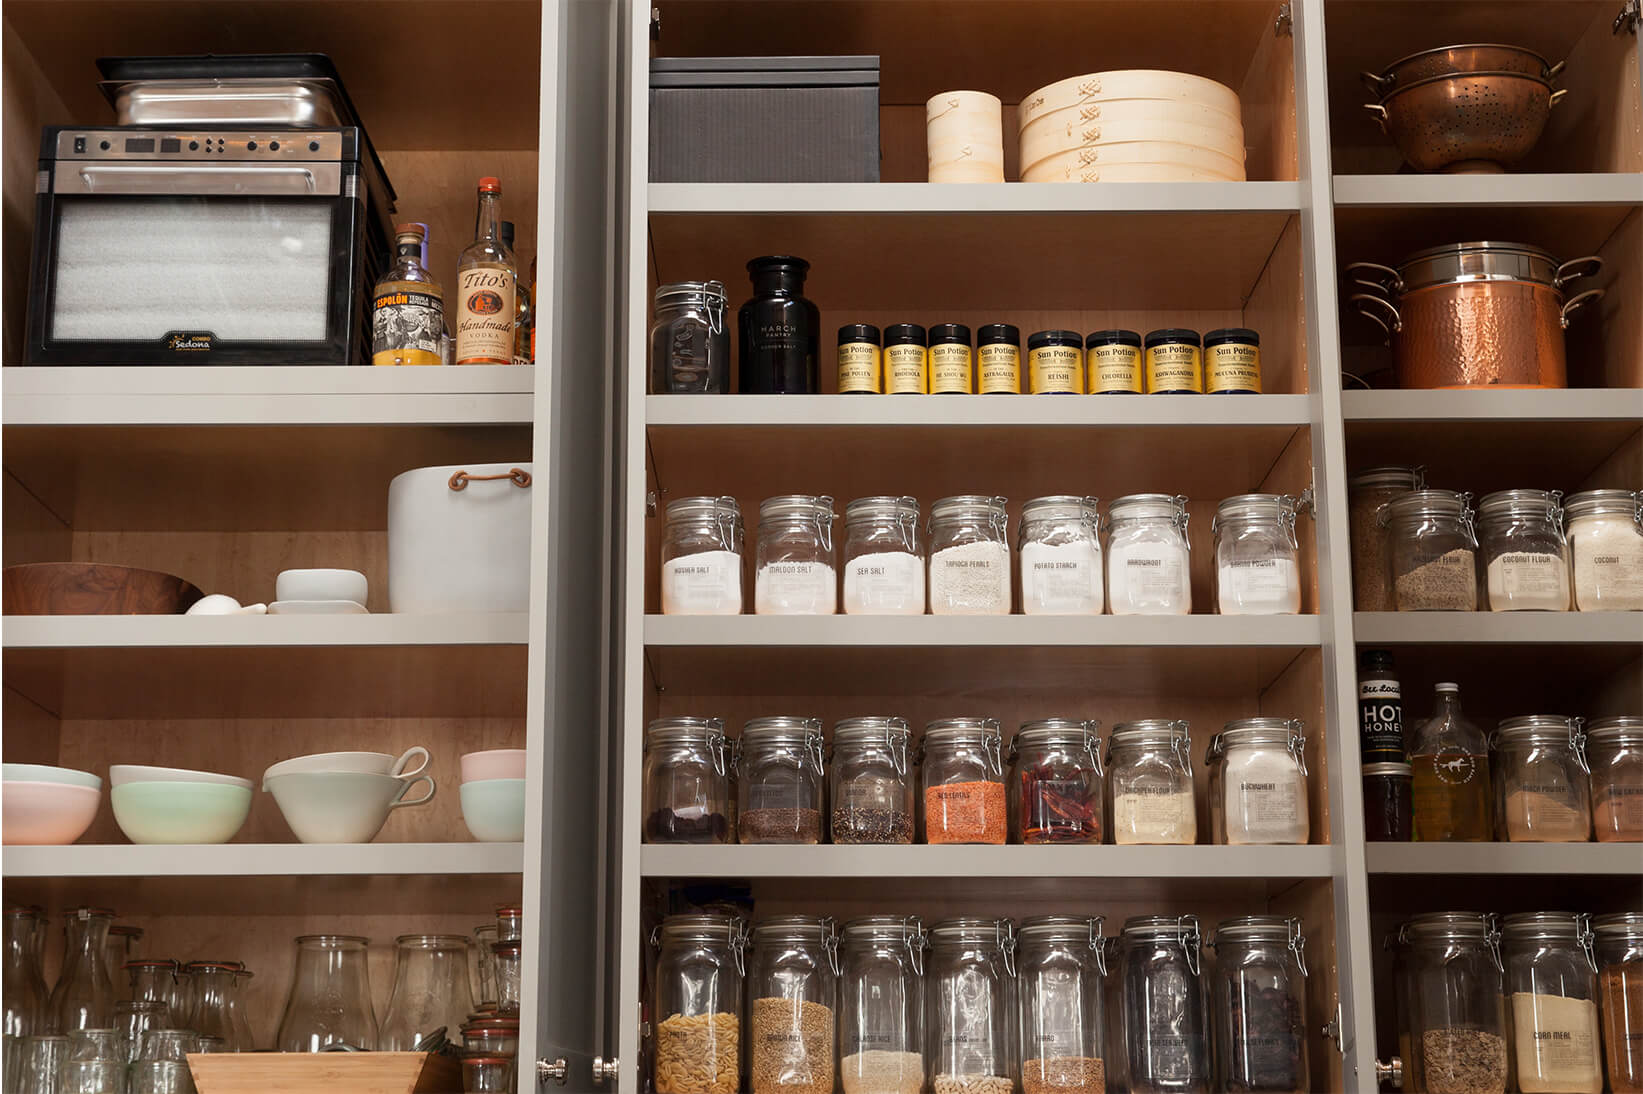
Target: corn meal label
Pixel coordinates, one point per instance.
(1232, 366)
(1056, 370)
(906, 370)
(950, 369)
(859, 367)
(1115, 368)
(1000, 368)
(1174, 367)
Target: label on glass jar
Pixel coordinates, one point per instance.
(1174, 366)
(795, 588)
(1260, 586)
(1380, 721)
(1064, 579)
(709, 583)
(1529, 580)
(1556, 1042)
(859, 368)
(950, 369)
(884, 583)
(1265, 810)
(1055, 370)
(906, 370)
(1148, 579)
(1115, 368)
(1000, 368)
(1232, 366)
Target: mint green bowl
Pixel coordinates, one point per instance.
(172, 812)
(494, 809)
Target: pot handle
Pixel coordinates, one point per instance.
(1557, 97)
(1577, 302)
(1391, 322)
(516, 475)
(1377, 83)
(1576, 268)
(1391, 283)
(1552, 73)
(1378, 112)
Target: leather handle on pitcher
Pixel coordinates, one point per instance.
(517, 475)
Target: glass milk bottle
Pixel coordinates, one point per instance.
(1451, 760)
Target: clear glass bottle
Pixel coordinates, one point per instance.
(84, 995)
(1149, 779)
(431, 989)
(1061, 970)
(781, 781)
(870, 781)
(1551, 986)
(883, 557)
(1525, 551)
(794, 572)
(698, 1004)
(1618, 945)
(1606, 545)
(779, 330)
(485, 965)
(330, 1001)
(239, 1013)
(1432, 550)
(792, 984)
(1162, 1008)
(486, 280)
(1542, 782)
(962, 775)
(971, 1014)
(702, 557)
(969, 556)
(1258, 779)
(1149, 560)
(1367, 492)
(881, 1005)
(1057, 783)
(24, 993)
(1258, 999)
(213, 994)
(1061, 566)
(687, 781)
(1257, 555)
(1450, 755)
(506, 956)
(408, 306)
(1455, 990)
(1614, 747)
(689, 341)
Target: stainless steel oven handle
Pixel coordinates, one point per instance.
(207, 179)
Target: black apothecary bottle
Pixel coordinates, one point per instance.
(778, 330)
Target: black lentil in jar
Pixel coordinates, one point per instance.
(667, 826)
(1265, 1056)
(860, 825)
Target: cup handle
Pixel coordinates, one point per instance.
(406, 789)
(415, 752)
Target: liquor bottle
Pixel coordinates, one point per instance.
(779, 330)
(485, 282)
(1451, 759)
(524, 318)
(407, 308)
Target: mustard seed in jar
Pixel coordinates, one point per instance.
(1232, 361)
(1055, 361)
(1174, 362)
(1114, 362)
(951, 360)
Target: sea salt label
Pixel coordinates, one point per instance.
(1064, 579)
(887, 583)
(709, 583)
(795, 588)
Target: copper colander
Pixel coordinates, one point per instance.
(1451, 60)
(1477, 122)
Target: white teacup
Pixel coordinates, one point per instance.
(341, 806)
(364, 763)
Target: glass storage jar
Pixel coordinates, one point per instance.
(1606, 544)
(972, 1013)
(24, 993)
(698, 1004)
(1149, 560)
(1542, 783)
(793, 562)
(1258, 999)
(702, 557)
(1258, 777)
(969, 556)
(780, 776)
(881, 1005)
(1525, 553)
(687, 781)
(152, 979)
(330, 1001)
(1458, 1015)
(1432, 551)
(213, 1003)
(1452, 802)
(1061, 970)
(1056, 782)
(1403, 986)
(1149, 779)
(792, 982)
(1618, 945)
(83, 997)
(1367, 492)
(431, 991)
(963, 780)
(1614, 747)
(123, 943)
(485, 1074)
(1551, 986)
(1162, 1008)
(883, 557)
(870, 779)
(485, 966)
(1257, 555)
(510, 922)
(1061, 570)
(689, 342)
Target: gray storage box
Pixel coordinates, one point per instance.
(764, 119)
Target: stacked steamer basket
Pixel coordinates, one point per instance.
(1137, 125)
(965, 135)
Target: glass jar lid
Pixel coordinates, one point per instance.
(1061, 507)
(1402, 478)
(878, 731)
(1546, 926)
(1421, 504)
(681, 293)
(1290, 733)
(1619, 729)
(954, 731)
(1264, 928)
(817, 507)
(703, 508)
(1441, 926)
(1171, 507)
(901, 510)
(1149, 731)
(1507, 504)
(684, 730)
(1180, 929)
(1072, 732)
(1626, 926)
(884, 928)
(1256, 508)
(702, 927)
(1538, 729)
(784, 730)
(89, 913)
(1591, 503)
(978, 507)
(1064, 928)
(970, 929)
(793, 928)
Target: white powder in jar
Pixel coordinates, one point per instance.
(707, 583)
(1154, 814)
(1061, 579)
(1528, 581)
(1556, 1044)
(1608, 563)
(1261, 586)
(795, 588)
(1265, 797)
(884, 583)
(1149, 578)
(970, 579)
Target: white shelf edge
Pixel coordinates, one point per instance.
(1528, 628)
(261, 860)
(787, 861)
(995, 630)
(170, 631)
(1570, 405)
(1390, 191)
(1505, 858)
(977, 410)
(1007, 197)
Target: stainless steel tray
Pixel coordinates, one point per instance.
(246, 102)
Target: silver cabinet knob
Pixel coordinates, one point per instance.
(1389, 1074)
(606, 1071)
(556, 1069)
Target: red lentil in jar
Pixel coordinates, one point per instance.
(963, 778)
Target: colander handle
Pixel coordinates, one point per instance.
(1577, 302)
(1391, 322)
(1552, 73)
(1377, 83)
(1378, 112)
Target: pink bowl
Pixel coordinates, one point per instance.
(46, 813)
(497, 763)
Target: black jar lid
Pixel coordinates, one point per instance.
(904, 334)
(949, 334)
(994, 334)
(1055, 338)
(858, 332)
(1112, 338)
(1240, 335)
(1171, 335)
(772, 263)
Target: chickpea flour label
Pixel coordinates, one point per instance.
(1000, 367)
(1115, 368)
(1055, 370)
(1380, 721)
(1232, 366)
(859, 367)
(949, 369)
(1174, 366)
(905, 368)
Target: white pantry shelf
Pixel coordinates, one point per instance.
(1623, 405)
(1004, 197)
(174, 631)
(699, 631)
(1505, 858)
(262, 860)
(1490, 628)
(1394, 191)
(996, 411)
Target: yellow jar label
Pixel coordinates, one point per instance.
(1174, 366)
(1232, 366)
(859, 368)
(1000, 368)
(1115, 367)
(906, 370)
(950, 369)
(1056, 370)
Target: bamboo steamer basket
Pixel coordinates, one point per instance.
(953, 113)
(1112, 155)
(967, 171)
(955, 151)
(1136, 83)
(1121, 172)
(1044, 142)
(1168, 111)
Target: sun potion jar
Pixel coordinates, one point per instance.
(952, 364)
(1525, 553)
(1061, 556)
(1174, 363)
(906, 360)
(883, 557)
(998, 359)
(1055, 362)
(1232, 361)
(795, 557)
(702, 557)
(861, 360)
(1148, 558)
(1114, 358)
(969, 556)
(1257, 557)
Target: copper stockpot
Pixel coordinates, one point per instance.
(1482, 314)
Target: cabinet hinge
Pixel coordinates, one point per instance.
(650, 503)
(655, 24)
(1284, 25)
(1631, 15)
(1335, 1029)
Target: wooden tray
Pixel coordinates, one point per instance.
(325, 1073)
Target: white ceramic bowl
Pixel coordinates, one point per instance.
(407, 764)
(341, 806)
(180, 812)
(495, 763)
(46, 773)
(46, 813)
(321, 585)
(122, 774)
(494, 810)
